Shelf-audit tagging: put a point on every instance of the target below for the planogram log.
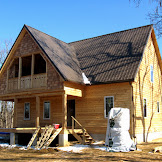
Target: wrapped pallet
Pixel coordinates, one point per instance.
(117, 135)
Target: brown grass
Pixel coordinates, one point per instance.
(90, 154)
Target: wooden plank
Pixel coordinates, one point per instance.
(37, 111)
(33, 138)
(57, 131)
(20, 72)
(64, 110)
(15, 112)
(32, 70)
(73, 91)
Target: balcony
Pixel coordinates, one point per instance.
(27, 82)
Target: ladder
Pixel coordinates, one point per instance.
(33, 138)
(44, 136)
(57, 131)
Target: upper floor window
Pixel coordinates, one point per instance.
(108, 104)
(26, 65)
(144, 107)
(39, 64)
(152, 73)
(46, 111)
(27, 111)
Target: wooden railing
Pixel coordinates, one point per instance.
(27, 82)
(82, 128)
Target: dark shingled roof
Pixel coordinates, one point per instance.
(113, 57)
(60, 54)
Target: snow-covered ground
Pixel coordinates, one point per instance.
(75, 148)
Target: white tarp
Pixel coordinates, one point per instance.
(117, 135)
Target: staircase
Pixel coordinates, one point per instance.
(82, 135)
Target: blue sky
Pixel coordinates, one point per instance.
(71, 20)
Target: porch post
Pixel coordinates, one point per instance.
(20, 71)
(37, 111)
(63, 136)
(15, 112)
(32, 70)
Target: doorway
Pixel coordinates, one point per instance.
(70, 112)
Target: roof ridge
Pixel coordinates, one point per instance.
(110, 33)
(44, 33)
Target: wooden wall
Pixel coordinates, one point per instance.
(55, 111)
(144, 88)
(90, 107)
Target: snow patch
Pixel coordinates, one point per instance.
(85, 79)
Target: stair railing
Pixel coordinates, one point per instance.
(83, 129)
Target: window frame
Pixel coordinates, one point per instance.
(158, 109)
(151, 73)
(146, 108)
(29, 111)
(49, 110)
(105, 104)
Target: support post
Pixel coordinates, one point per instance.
(20, 71)
(63, 136)
(13, 138)
(15, 112)
(32, 70)
(7, 79)
(37, 111)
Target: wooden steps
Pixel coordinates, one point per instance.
(33, 138)
(82, 135)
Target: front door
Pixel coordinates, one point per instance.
(70, 111)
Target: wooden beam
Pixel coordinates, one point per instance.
(32, 70)
(15, 112)
(7, 79)
(73, 91)
(20, 72)
(64, 111)
(37, 111)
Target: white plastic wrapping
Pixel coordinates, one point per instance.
(117, 130)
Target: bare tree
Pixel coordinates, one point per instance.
(6, 108)
(155, 16)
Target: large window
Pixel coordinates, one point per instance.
(27, 111)
(152, 73)
(144, 107)
(39, 64)
(46, 112)
(108, 104)
(26, 65)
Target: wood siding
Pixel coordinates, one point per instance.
(89, 109)
(143, 88)
(55, 111)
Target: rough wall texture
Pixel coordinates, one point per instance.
(143, 88)
(27, 47)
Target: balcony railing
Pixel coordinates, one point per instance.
(27, 82)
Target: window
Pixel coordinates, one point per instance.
(108, 104)
(26, 65)
(39, 64)
(158, 107)
(144, 108)
(27, 111)
(46, 112)
(151, 73)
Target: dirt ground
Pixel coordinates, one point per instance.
(89, 154)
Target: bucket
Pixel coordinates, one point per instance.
(56, 126)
